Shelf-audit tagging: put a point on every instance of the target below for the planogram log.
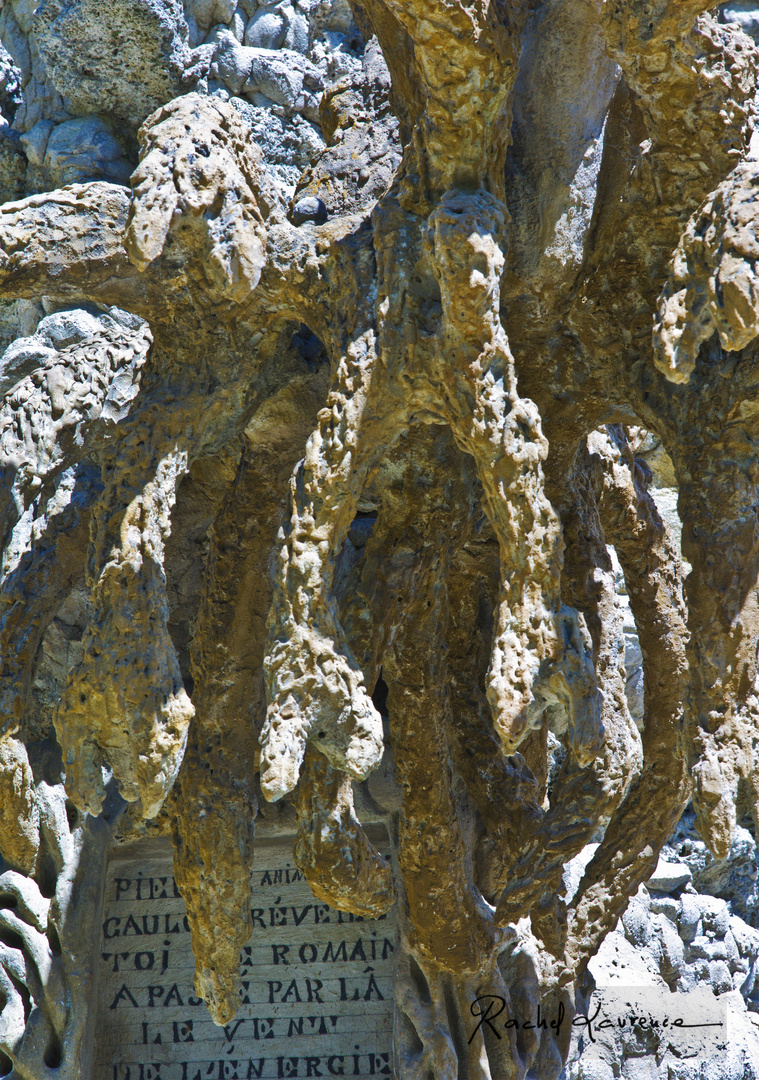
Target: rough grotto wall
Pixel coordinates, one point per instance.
(465, 575)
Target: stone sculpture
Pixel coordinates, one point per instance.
(399, 397)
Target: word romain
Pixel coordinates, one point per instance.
(489, 1007)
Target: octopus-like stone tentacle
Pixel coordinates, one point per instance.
(404, 559)
(502, 432)
(581, 796)
(213, 837)
(453, 927)
(315, 686)
(125, 701)
(712, 282)
(332, 850)
(656, 797)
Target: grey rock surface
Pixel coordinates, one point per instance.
(669, 876)
(743, 12)
(734, 879)
(124, 59)
(77, 79)
(673, 953)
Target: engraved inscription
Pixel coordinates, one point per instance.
(317, 984)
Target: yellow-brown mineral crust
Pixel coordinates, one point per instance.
(19, 813)
(406, 390)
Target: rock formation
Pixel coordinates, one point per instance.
(340, 339)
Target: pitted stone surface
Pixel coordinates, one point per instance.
(333, 449)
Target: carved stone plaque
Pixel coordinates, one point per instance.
(317, 984)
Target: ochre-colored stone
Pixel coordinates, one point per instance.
(426, 368)
(19, 813)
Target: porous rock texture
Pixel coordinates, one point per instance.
(357, 357)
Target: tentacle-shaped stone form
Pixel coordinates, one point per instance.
(453, 927)
(655, 45)
(656, 798)
(551, 159)
(452, 922)
(332, 849)
(125, 701)
(71, 243)
(670, 140)
(719, 490)
(230, 238)
(581, 797)
(32, 592)
(213, 837)
(466, 58)
(713, 282)
(503, 789)
(315, 686)
(588, 583)
(19, 814)
(502, 432)
(19, 892)
(199, 173)
(46, 419)
(437, 1013)
(697, 105)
